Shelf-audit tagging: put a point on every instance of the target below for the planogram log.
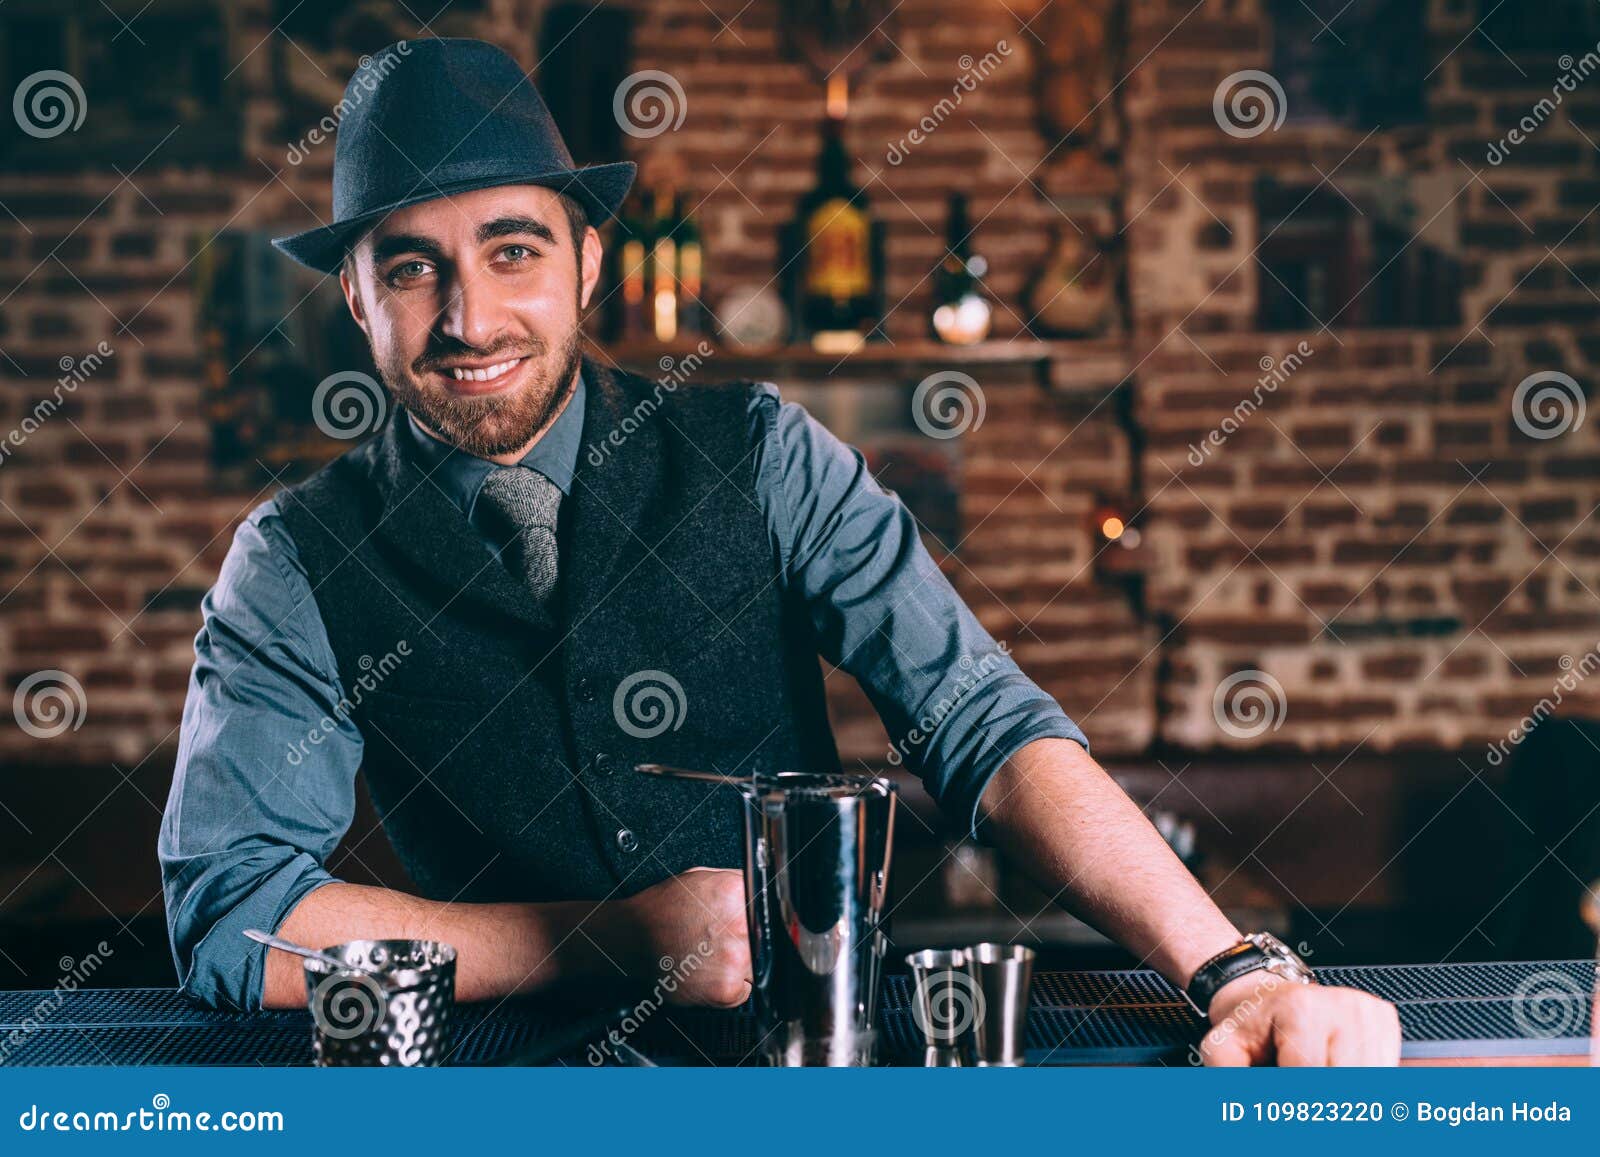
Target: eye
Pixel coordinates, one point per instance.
(517, 254)
(407, 271)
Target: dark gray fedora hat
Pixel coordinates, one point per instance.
(435, 117)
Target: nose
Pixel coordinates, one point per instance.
(473, 314)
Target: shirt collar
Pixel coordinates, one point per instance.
(460, 475)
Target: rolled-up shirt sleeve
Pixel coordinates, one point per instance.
(956, 706)
(264, 786)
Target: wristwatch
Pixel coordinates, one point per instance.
(1258, 951)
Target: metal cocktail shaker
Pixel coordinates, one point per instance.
(817, 851)
(816, 875)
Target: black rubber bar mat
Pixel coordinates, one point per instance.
(1115, 1017)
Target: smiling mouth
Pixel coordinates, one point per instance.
(486, 374)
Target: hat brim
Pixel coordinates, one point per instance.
(599, 188)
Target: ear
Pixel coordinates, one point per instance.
(589, 270)
(352, 297)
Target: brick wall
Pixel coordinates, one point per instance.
(110, 526)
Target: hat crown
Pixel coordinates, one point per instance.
(420, 117)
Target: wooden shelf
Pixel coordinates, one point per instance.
(1057, 364)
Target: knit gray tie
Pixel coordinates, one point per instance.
(527, 504)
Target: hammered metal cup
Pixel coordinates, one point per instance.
(401, 1016)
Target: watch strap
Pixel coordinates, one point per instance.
(1226, 966)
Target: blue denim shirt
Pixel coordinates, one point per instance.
(247, 832)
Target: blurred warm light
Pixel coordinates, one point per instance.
(838, 96)
(965, 322)
(1112, 527)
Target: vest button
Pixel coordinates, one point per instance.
(604, 764)
(585, 690)
(627, 841)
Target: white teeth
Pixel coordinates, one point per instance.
(484, 375)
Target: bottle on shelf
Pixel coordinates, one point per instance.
(961, 313)
(663, 268)
(833, 249)
(625, 302)
(691, 270)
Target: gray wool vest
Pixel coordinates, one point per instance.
(499, 741)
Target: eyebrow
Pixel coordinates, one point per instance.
(397, 243)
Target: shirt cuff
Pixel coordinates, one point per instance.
(228, 971)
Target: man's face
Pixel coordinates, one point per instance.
(471, 304)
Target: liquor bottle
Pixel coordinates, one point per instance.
(663, 269)
(630, 251)
(691, 270)
(837, 248)
(961, 313)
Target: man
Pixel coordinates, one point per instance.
(495, 626)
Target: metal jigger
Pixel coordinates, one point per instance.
(945, 1004)
(1001, 975)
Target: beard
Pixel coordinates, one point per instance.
(494, 424)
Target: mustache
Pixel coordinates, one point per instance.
(433, 358)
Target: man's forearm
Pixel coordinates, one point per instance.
(1055, 812)
(501, 948)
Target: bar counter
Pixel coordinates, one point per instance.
(1535, 1012)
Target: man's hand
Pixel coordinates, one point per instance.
(692, 928)
(1262, 1019)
